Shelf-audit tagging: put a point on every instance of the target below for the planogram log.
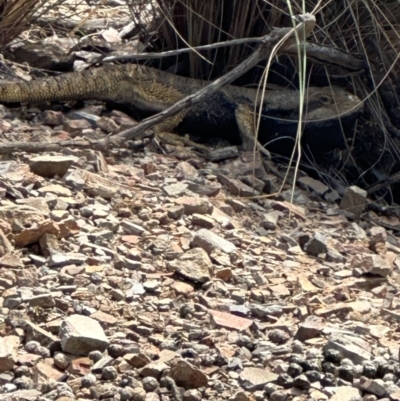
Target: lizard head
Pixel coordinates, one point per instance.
(330, 102)
(329, 115)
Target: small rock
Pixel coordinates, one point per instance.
(349, 348)
(154, 369)
(354, 201)
(50, 166)
(80, 335)
(252, 379)
(187, 376)
(211, 242)
(236, 187)
(374, 386)
(55, 189)
(8, 352)
(230, 321)
(203, 221)
(107, 124)
(185, 171)
(193, 205)
(346, 393)
(316, 245)
(75, 127)
(194, 265)
(315, 185)
(175, 189)
(369, 263)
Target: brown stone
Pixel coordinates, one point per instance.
(230, 321)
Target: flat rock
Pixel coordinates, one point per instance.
(310, 329)
(354, 349)
(374, 386)
(8, 352)
(211, 242)
(80, 335)
(193, 204)
(252, 379)
(202, 189)
(37, 203)
(236, 187)
(315, 185)
(230, 321)
(50, 166)
(55, 189)
(346, 393)
(65, 259)
(131, 228)
(23, 395)
(44, 371)
(175, 189)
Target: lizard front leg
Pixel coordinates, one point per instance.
(164, 133)
(245, 121)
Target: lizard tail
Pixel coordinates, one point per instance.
(89, 84)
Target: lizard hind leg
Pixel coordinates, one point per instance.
(245, 120)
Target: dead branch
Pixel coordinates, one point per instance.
(319, 54)
(156, 55)
(328, 55)
(37, 147)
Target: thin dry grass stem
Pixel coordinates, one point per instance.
(15, 17)
(19, 16)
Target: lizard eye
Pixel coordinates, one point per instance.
(324, 99)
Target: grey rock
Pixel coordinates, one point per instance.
(80, 335)
(316, 245)
(370, 263)
(346, 393)
(65, 259)
(354, 349)
(154, 369)
(175, 189)
(101, 364)
(315, 185)
(194, 265)
(374, 386)
(354, 201)
(210, 242)
(252, 379)
(131, 228)
(50, 166)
